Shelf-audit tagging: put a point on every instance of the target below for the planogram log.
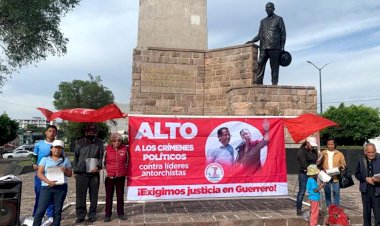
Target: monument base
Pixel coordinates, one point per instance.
(211, 83)
(272, 100)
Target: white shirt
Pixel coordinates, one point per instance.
(223, 155)
(330, 155)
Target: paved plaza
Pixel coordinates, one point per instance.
(253, 211)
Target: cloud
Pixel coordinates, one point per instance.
(103, 35)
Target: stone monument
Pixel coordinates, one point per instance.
(172, 24)
(174, 75)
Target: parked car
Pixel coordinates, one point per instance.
(25, 147)
(6, 149)
(20, 152)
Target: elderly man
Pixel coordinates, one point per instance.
(249, 151)
(367, 172)
(272, 37)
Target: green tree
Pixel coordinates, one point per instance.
(29, 32)
(82, 94)
(355, 124)
(8, 129)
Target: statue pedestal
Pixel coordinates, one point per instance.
(272, 100)
(214, 83)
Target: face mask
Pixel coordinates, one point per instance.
(90, 138)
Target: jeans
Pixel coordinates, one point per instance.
(111, 183)
(335, 190)
(302, 180)
(37, 188)
(57, 194)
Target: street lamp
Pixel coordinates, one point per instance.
(320, 83)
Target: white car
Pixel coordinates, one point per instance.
(20, 152)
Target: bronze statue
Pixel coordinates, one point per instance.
(272, 36)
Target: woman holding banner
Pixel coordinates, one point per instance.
(306, 155)
(116, 163)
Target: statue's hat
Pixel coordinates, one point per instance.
(285, 58)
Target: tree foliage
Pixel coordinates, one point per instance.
(8, 129)
(29, 32)
(82, 94)
(355, 124)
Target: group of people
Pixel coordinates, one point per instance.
(311, 162)
(90, 157)
(245, 157)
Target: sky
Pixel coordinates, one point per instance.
(102, 36)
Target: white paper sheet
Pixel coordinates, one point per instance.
(324, 176)
(91, 163)
(332, 172)
(55, 174)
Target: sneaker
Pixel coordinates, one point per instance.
(122, 217)
(299, 212)
(107, 219)
(48, 222)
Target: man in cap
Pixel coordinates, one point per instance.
(88, 155)
(306, 155)
(272, 37)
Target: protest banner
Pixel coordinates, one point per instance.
(185, 158)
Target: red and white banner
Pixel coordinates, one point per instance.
(203, 157)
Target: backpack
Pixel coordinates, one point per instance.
(337, 216)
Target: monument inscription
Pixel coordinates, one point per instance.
(163, 78)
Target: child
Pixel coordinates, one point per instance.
(313, 189)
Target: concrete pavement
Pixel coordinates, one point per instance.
(253, 211)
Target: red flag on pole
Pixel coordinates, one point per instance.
(108, 112)
(305, 125)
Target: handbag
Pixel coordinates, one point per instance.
(345, 179)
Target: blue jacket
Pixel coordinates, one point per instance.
(361, 173)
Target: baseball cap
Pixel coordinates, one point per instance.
(58, 143)
(91, 127)
(312, 141)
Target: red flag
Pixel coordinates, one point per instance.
(305, 125)
(110, 111)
